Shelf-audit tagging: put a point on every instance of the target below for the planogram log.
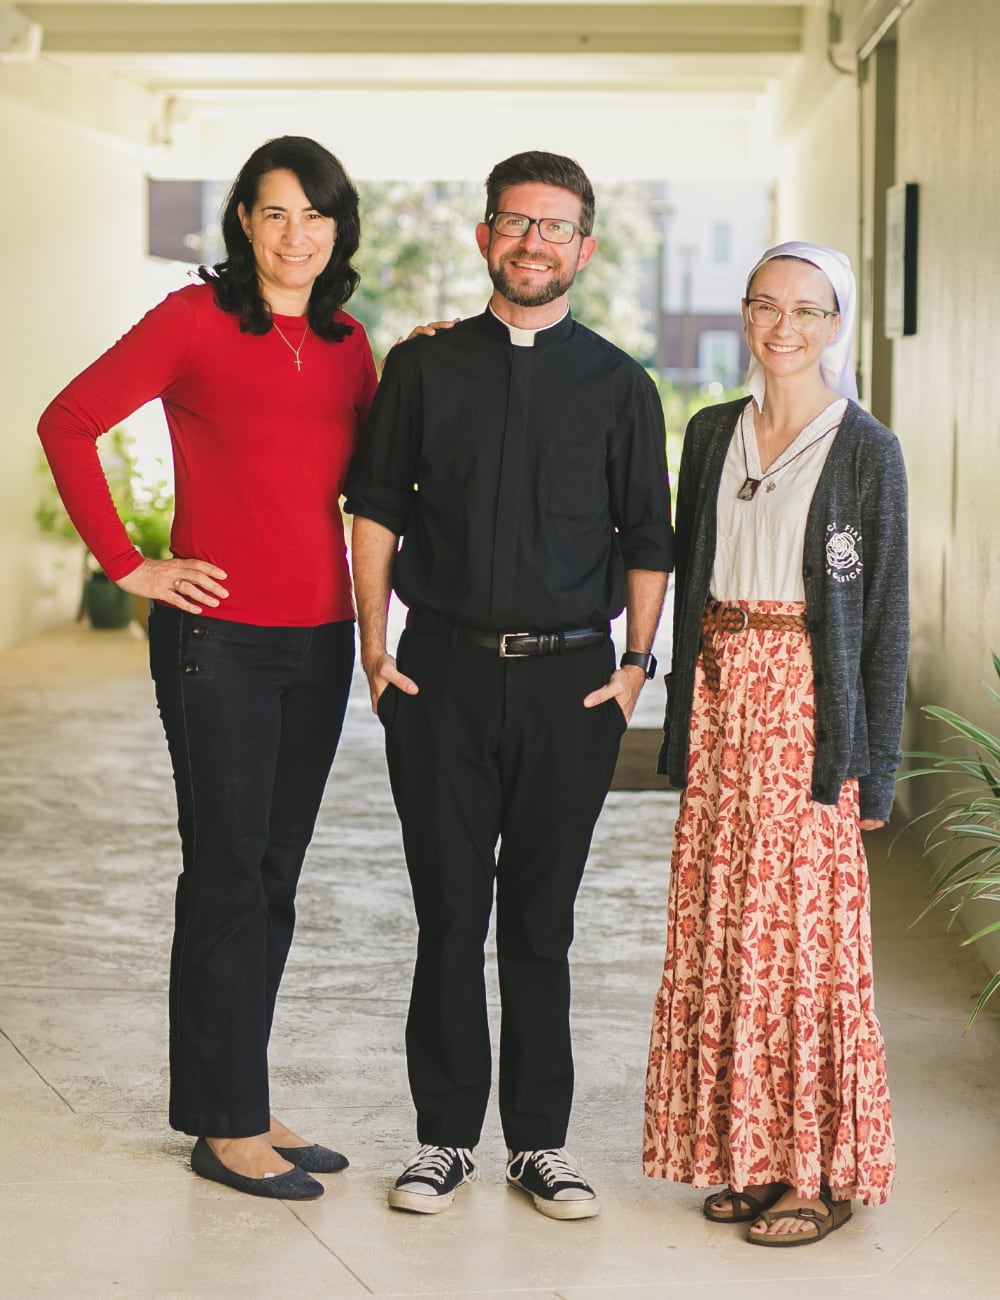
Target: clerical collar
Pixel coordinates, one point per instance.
(525, 338)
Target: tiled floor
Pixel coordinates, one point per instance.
(95, 1196)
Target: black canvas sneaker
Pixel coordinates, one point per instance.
(431, 1177)
(555, 1184)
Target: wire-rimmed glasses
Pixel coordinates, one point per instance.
(805, 320)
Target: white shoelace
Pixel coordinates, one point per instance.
(433, 1163)
(556, 1167)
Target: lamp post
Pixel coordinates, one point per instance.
(662, 210)
(688, 252)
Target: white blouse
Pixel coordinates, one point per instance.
(758, 552)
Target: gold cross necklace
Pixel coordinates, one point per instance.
(294, 350)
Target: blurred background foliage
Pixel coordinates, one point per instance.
(419, 262)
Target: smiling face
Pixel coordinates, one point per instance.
(292, 242)
(781, 349)
(527, 272)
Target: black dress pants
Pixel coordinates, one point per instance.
(252, 717)
(495, 750)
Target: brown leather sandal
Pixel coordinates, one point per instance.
(716, 1209)
(838, 1212)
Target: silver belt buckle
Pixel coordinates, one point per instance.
(512, 654)
(724, 611)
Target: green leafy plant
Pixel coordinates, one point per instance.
(966, 821)
(146, 506)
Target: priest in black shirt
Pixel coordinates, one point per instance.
(520, 459)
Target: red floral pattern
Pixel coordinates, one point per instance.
(766, 1061)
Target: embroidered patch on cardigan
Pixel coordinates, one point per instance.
(843, 563)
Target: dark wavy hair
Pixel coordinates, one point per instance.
(329, 189)
(538, 168)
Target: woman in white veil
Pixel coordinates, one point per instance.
(767, 1067)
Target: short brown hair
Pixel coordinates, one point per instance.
(538, 168)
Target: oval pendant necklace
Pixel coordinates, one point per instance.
(751, 484)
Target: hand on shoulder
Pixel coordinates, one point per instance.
(429, 330)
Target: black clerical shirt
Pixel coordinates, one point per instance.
(523, 481)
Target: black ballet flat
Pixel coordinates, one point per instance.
(295, 1185)
(314, 1159)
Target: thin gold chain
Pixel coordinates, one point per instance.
(294, 350)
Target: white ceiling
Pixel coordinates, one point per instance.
(637, 88)
(205, 50)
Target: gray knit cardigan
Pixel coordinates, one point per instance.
(854, 569)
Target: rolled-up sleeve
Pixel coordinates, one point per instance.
(382, 481)
(637, 478)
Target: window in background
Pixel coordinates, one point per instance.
(719, 356)
(721, 243)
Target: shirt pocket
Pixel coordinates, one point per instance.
(574, 483)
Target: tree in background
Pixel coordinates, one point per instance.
(419, 262)
(616, 293)
(418, 257)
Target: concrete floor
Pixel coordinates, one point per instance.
(96, 1199)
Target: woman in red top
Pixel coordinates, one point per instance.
(265, 383)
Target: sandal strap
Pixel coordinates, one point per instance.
(837, 1212)
(736, 1199)
(804, 1214)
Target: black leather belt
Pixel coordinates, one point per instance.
(510, 645)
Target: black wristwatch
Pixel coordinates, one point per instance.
(633, 659)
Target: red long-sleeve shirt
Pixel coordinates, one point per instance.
(261, 451)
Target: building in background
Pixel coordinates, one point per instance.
(670, 293)
(710, 232)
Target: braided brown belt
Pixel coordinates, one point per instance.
(719, 618)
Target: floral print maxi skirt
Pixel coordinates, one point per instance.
(766, 1061)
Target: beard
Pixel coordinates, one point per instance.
(529, 295)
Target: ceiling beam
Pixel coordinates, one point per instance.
(415, 28)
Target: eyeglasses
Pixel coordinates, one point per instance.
(805, 320)
(515, 225)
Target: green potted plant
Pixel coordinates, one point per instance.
(146, 509)
(966, 822)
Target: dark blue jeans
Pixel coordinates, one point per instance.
(252, 717)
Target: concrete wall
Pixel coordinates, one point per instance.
(944, 400)
(460, 135)
(73, 156)
(816, 130)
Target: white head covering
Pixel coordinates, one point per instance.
(837, 362)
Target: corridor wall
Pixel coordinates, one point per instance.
(73, 158)
(815, 126)
(945, 399)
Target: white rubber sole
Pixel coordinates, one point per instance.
(561, 1209)
(419, 1202)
